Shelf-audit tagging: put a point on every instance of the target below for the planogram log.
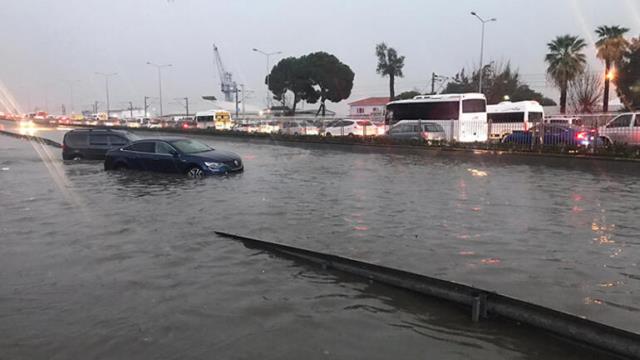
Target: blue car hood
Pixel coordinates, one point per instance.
(216, 155)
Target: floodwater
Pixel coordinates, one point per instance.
(126, 265)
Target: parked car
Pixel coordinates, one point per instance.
(624, 129)
(248, 128)
(576, 121)
(186, 124)
(93, 144)
(302, 127)
(554, 134)
(173, 155)
(417, 131)
(349, 127)
(268, 127)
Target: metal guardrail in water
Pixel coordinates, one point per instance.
(482, 303)
(32, 138)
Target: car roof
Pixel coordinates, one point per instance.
(164, 138)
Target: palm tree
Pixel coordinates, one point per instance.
(566, 61)
(389, 64)
(611, 47)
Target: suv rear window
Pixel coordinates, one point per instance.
(76, 139)
(117, 140)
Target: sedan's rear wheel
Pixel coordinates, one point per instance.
(195, 173)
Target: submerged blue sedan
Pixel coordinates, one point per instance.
(173, 155)
(554, 134)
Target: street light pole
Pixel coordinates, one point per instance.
(159, 67)
(106, 85)
(481, 72)
(268, 55)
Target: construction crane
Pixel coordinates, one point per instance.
(227, 85)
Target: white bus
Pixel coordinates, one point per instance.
(213, 119)
(507, 117)
(463, 116)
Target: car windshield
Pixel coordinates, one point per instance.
(188, 146)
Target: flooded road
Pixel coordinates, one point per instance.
(113, 265)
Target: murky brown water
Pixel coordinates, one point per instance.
(110, 265)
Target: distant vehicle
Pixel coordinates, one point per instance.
(93, 144)
(186, 124)
(155, 124)
(268, 127)
(248, 128)
(507, 117)
(213, 119)
(348, 127)
(462, 116)
(173, 155)
(296, 128)
(553, 134)
(624, 129)
(575, 121)
(417, 131)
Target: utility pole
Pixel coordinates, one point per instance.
(243, 108)
(146, 106)
(237, 107)
(106, 85)
(159, 67)
(481, 72)
(95, 107)
(186, 102)
(131, 109)
(268, 55)
(433, 83)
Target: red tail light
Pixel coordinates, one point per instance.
(425, 135)
(582, 135)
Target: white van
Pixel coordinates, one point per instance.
(462, 116)
(507, 117)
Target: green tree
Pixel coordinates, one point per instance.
(389, 64)
(407, 95)
(499, 81)
(332, 80)
(292, 75)
(611, 47)
(628, 80)
(565, 62)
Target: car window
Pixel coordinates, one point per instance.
(98, 139)
(637, 123)
(115, 140)
(190, 146)
(144, 146)
(76, 139)
(621, 121)
(163, 148)
(433, 128)
(346, 123)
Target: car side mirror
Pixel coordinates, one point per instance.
(174, 153)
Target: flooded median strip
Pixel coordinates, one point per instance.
(32, 138)
(483, 303)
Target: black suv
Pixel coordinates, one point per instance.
(93, 144)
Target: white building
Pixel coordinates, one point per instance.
(369, 107)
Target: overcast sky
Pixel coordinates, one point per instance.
(46, 44)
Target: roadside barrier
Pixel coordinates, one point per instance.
(33, 138)
(482, 303)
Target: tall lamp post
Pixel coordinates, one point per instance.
(159, 67)
(71, 83)
(268, 55)
(481, 73)
(106, 85)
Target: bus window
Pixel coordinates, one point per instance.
(474, 106)
(446, 110)
(503, 118)
(535, 116)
